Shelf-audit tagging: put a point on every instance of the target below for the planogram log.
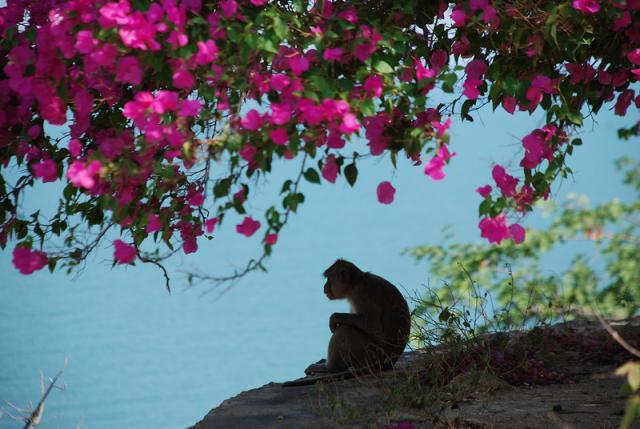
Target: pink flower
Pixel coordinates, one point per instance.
(434, 167)
(517, 233)
(165, 101)
(298, 64)
(335, 140)
(280, 81)
(190, 245)
(228, 7)
(190, 108)
(115, 13)
(330, 169)
(385, 192)
(494, 229)
(210, 224)
(183, 79)
(34, 132)
(75, 147)
(84, 176)
(47, 170)
(207, 52)
(504, 181)
(484, 191)
(476, 68)
(279, 136)
(53, 109)
(461, 46)
(439, 59)
(349, 15)
(280, 113)
(331, 54)
(478, 4)
(373, 85)
(240, 196)
(349, 124)
(535, 150)
(634, 56)
(123, 253)
(27, 261)
(509, 103)
(85, 43)
(248, 153)
(271, 239)
(623, 102)
(196, 199)
(580, 73)
(441, 129)
(248, 227)
(153, 223)
(129, 70)
(459, 16)
(471, 90)
(423, 72)
(588, 6)
(252, 121)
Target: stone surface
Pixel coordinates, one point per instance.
(585, 396)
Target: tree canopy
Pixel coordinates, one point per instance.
(160, 116)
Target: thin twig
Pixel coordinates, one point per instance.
(36, 415)
(614, 334)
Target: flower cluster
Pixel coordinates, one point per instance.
(156, 92)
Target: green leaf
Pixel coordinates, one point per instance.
(574, 117)
(383, 67)
(351, 173)
(280, 27)
(221, 188)
(312, 175)
(368, 107)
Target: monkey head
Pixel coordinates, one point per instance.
(342, 276)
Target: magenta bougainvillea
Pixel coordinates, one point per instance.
(158, 116)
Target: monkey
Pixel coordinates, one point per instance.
(369, 339)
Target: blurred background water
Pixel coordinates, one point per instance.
(139, 357)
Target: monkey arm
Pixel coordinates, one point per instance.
(368, 322)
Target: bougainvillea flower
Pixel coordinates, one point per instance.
(271, 239)
(505, 182)
(248, 227)
(484, 191)
(210, 224)
(517, 233)
(252, 120)
(27, 261)
(47, 170)
(279, 136)
(84, 176)
(494, 229)
(330, 169)
(153, 224)
(509, 103)
(434, 167)
(349, 124)
(123, 253)
(385, 192)
(588, 6)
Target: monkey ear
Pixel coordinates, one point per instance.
(352, 275)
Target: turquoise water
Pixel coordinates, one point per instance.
(139, 357)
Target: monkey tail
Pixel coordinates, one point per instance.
(331, 377)
(324, 378)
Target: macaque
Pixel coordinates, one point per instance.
(371, 337)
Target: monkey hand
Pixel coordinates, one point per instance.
(333, 322)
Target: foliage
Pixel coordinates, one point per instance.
(177, 108)
(531, 292)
